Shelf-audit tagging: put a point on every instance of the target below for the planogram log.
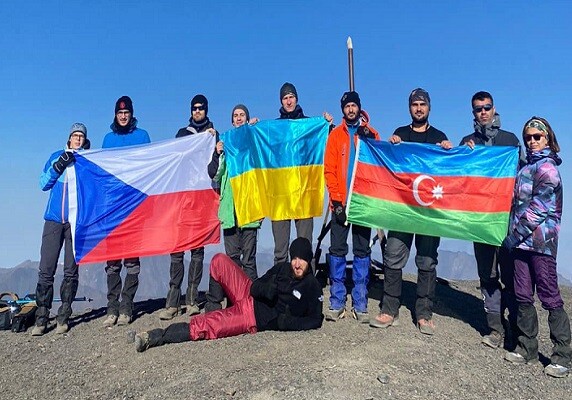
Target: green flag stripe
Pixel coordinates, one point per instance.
(488, 228)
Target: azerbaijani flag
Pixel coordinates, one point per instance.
(276, 168)
(143, 200)
(418, 188)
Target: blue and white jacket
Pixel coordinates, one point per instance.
(50, 179)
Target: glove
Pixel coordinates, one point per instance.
(339, 212)
(364, 132)
(65, 159)
(510, 242)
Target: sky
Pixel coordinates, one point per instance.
(64, 62)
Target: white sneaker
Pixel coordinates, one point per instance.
(110, 321)
(123, 320)
(62, 328)
(38, 330)
(556, 371)
(361, 317)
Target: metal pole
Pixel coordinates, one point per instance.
(351, 63)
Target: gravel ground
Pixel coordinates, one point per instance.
(342, 360)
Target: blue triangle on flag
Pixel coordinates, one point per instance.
(103, 202)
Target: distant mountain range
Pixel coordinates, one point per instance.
(154, 278)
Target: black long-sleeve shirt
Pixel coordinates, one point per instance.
(282, 302)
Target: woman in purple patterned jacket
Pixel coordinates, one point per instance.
(533, 242)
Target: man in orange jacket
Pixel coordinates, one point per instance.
(338, 167)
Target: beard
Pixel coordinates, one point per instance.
(420, 120)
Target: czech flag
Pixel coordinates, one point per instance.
(143, 200)
(276, 168)
(418, 188)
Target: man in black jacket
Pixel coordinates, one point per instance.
(489, 258)
(198, 123)
(287, 298)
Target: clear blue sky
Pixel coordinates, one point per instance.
(63, 62)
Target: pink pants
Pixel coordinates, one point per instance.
(235, 320)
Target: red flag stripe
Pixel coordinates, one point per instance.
(486, 194)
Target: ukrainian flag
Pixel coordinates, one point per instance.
(276, 168)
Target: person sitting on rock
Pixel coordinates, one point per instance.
(287, 298)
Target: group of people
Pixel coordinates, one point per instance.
(288, 297)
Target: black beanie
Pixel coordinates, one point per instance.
(350, 97)
(288, 88)
(240, 107)
(301, 248)
(201, 99)
(124, 103)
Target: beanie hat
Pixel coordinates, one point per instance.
(201, 99)
(420, 95)
(350, 97)
(288, 88)
(240, 107)
(124, 103)
(301, 248)
(78, 127)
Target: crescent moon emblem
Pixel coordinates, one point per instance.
(416, 184)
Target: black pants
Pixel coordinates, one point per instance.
(396, 255)
(497, 297)
(54, 236)
(177, 271)
(127, 290)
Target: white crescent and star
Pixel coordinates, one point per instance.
(437, 190)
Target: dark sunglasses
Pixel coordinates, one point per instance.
(198, 108)
(486, 107)
(535, 136)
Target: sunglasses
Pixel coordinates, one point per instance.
(486, 107)
(198, 108)
(535, 136)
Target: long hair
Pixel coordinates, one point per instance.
(542, 125)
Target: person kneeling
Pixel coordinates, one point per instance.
(287, 298)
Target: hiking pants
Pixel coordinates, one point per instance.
(496, 298)
(396, 255)
(115, 289)
(177, 272)
(360, 267)
(231, 321)
(281, 233)
(54, 236)
(240, 246)
(538, 271)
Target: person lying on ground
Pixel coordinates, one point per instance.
(287, 298)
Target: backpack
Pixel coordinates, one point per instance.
(8, 309)
(16, 317)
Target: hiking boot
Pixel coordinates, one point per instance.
(334, 315)
(361, 317)
(494, 340)
(110, 321)
(141, 342)
(123, 320)
(168, 313)
(426, 326)
(193, 309)
(515, 357)
(62, 328)
(556, 371)
(38, 330)
(384, 321)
